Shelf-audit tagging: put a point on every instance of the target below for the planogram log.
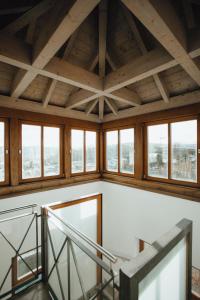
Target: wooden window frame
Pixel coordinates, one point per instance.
(6, 151)
(29, 276)
(169, 179)
(84, 152)
(42, 125)
(105, 152)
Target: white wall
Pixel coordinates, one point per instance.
(127, 213)
(46, 197)
(130, 213)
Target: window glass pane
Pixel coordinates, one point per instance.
(31, 151)
(77, 140)
(2, 151)
(184, 150)
(158, 151)
(112, 150)
(127, 150)
(51, 151)
(90, 151)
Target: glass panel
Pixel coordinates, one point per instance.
(127, 151)
(168, 279)
(51, 151)
(158, 151)
(30, 258)
(112, 151)
(77, 140)
(2, 151)
(184, 150)
(90, 150)
(31, 151)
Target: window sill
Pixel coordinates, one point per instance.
(46, 185)
(180, 191)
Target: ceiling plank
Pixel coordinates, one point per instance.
(112, 105)
(91, 106)
(30, 32)
(47, 45)
(189, 14)
(13, 11)
(162, 21)
(28, 16)
(157, 79)
(174, 102)
(49, 92)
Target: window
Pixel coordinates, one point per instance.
(112, 151)
(40, 152)
(120, 151)
(184, 150)
(90, 137)
(3, 152)
(158, 151)
(172, 151)
(127, 151)
(77, 151)
(51, 151)
(31, 151)
(83, 151)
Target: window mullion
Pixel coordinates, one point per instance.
(84, 155)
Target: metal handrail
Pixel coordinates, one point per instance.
(83, 236)
(17, 209)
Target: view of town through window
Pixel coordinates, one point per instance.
(83, 142)
(112, 151)
(77, 142)
(32, 151)
(127, 151)
(2, 151)
(184, 150)
(183, 158)
(91, 140)
(122, 140)
(158, 150)
(51, 151)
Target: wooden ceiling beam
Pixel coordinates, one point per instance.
(17, 53)
(124, 95)
(27, 105)
(174, 102)
(50, 90)
(28, 16)
(48, 44)
(52, 85)
(91, 106)
(103, 6)
(163, 23)
(157, 79)
(101, 108)
(112, 105)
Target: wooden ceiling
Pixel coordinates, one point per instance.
(99, 60)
